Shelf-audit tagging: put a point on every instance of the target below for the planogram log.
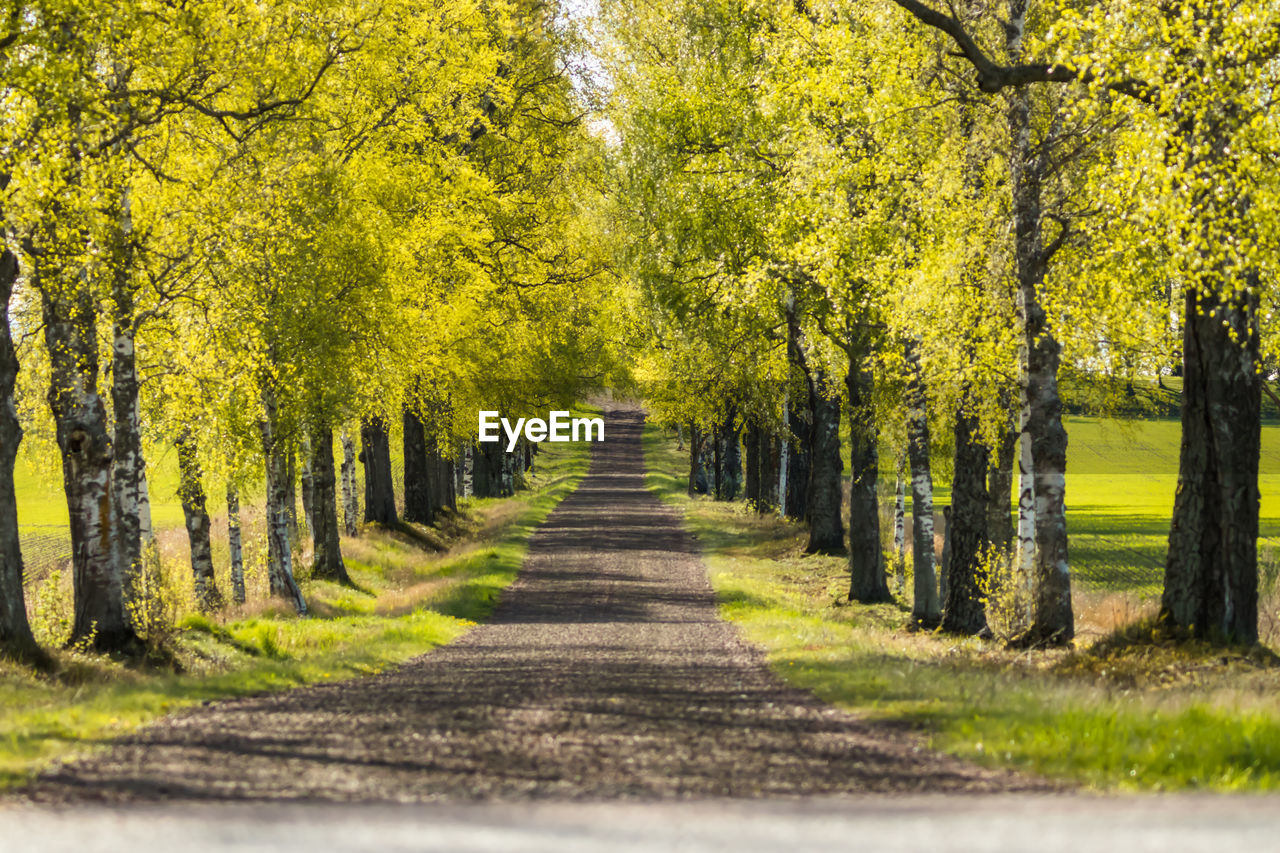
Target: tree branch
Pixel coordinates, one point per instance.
(992, 77)
(1271, 394)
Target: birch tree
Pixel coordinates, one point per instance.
(1198, 80)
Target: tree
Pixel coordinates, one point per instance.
(16, 639)
(1195, 80)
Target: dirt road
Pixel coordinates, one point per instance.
(606, 673)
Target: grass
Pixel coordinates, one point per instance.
(37, 480)
(408, 600)
(1128, 714)
(1121, 477)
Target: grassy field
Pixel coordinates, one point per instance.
(42, 503)
(1113, 716)
(1121, 477)
(409, 600)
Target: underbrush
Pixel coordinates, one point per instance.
(413, 590)
(1125, 710)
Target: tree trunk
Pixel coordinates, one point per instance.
(964, 611)
(146, 530)
(1026, 546)
(433, 478)
(1000, 492)
(234, 544)
(444, 496)
(461, 485)
(509, 463)
(697, 470)
(866, 558)
(375, 453)
(784, 465)
(327, 549)
(799, 422)
(796, 504)
(194, 510)
(308, 485)
(900, 528)
(70, 328)
(732, 456)
(926, 609)
(280, 577)
(479, 472)
(291, 498)
(1052, 620)
(16, 639)
(492, 472)
(753, 466)
(128, 466)
(826, 493)
(717, 465)
(770, 473)
(706, 460)
(128, 487)
(418, 474)
(350, 494)
(1211, 577)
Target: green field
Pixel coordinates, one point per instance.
(1118, 716)
(42, 504)
(42, 508)
(1121, 477)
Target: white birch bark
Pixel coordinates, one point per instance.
(784, 448)
(1026, 511)
(1052, 617)
(279, 545)
(101, 616)
(16, 638)
(926, 607)
(145, 528)
(234, 543)
(900, 531)
(350, 497)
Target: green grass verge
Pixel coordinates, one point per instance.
(1136, 717)
(409, 600)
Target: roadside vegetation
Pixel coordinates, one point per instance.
(913, 239)
(407, 597)
(1118, 711)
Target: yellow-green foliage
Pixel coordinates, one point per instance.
(1131, 713)
(408, 601)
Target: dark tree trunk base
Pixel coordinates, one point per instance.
(375, 453)
(964, 611)
(825, 491)
(327, 563)
(867, 581)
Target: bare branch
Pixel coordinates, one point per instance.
(992, 77)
